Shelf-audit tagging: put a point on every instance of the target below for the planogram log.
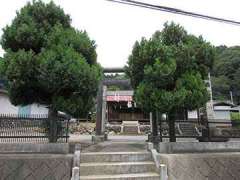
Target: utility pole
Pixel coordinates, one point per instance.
(210, 88)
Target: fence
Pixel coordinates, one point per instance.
(211, 130)
(32, 128)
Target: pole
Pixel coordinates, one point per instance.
(155, 127)
(171, 122)
(210, 88)
(151, 126)
(231, 96)
(160, 125)
(99, 110)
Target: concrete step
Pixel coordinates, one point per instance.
(107, 168)
(136, 176)
(115, 157)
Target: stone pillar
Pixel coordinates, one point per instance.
(150, 117)
(171, 124)
(99, 110)
(155, 130)
(163, 172)
(160, 125)
(99, 136)
(104, 106)
(210, 112)
(75, 173)
(101, 114)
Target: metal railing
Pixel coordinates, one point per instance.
(31, 128)
(211, 130)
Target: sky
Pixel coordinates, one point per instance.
(116, 27)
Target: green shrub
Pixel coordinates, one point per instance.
(235, 117)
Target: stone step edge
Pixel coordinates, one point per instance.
(116, 163)
(115, 153)
(135, 175)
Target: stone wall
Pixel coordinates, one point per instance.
(204, 166)
(35, 166)
(198, 147)
(48, 148)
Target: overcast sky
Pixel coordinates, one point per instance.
(116, 27)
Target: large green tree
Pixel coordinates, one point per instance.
(167, 71)
(226, 73)
(1, 68)
(49, 62)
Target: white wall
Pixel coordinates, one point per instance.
(222, 108)
(5, 105)
(38, 109)
(7, 108)
(222, 115)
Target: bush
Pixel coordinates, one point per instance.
(235, 117)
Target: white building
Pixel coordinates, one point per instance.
(216, 111)
(6, 107)
(222, 110)
(236, 109)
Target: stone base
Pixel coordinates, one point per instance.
(99, 138)
(212, 139)
(130, 127)
(154, 139)
(130, 130)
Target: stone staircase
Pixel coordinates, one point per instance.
(117, 166)
(130, 127)
(188, 129)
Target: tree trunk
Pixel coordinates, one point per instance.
(171, 123)
(155, 128)
(52, 118)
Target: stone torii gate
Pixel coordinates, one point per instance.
(101, 102)
(101, 107)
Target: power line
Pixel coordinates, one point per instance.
(175, 11)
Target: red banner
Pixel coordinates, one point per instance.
(119, 98)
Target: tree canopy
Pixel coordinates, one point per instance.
(1, 67)
(226, 73)
(167, 70)
(49, 62)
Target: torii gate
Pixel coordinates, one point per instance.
(101, 102)
(101, 106)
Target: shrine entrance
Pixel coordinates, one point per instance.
(116, 111)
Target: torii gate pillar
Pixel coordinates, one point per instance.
(101, 114)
